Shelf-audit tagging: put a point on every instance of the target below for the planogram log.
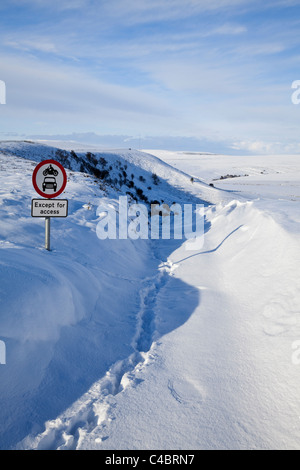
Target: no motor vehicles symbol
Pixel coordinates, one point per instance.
(49, 179)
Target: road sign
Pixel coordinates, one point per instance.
(47, 208)
(49, 179)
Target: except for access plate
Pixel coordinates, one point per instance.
(49, 208)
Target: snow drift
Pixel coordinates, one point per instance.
(122, 344)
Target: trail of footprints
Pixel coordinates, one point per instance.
(95, 408)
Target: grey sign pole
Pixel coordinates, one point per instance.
(47, 233)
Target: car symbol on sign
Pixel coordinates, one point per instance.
(49, 183)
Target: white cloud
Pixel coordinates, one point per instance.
(265, 48)
(132, 11)
(206, 70)
(229, 29)
(145, 11)
(261, 147)
(66, 94)
(38, 44)
(47, 4)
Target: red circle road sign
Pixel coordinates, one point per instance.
(49, 179)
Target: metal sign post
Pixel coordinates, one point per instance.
(47, 233)
(49, 180)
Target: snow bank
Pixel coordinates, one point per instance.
(65, 315)
(219, 373)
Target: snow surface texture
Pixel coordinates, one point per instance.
(122, 344)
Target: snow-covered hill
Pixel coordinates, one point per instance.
(143, 344)
(137, 173)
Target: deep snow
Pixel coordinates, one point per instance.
(123, 344)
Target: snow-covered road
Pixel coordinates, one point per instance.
(213, 368)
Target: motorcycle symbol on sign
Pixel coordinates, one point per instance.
(50, 171)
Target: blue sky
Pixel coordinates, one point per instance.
(212, 75)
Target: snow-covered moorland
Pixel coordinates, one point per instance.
(143, 344)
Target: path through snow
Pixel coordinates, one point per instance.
(212, 367)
